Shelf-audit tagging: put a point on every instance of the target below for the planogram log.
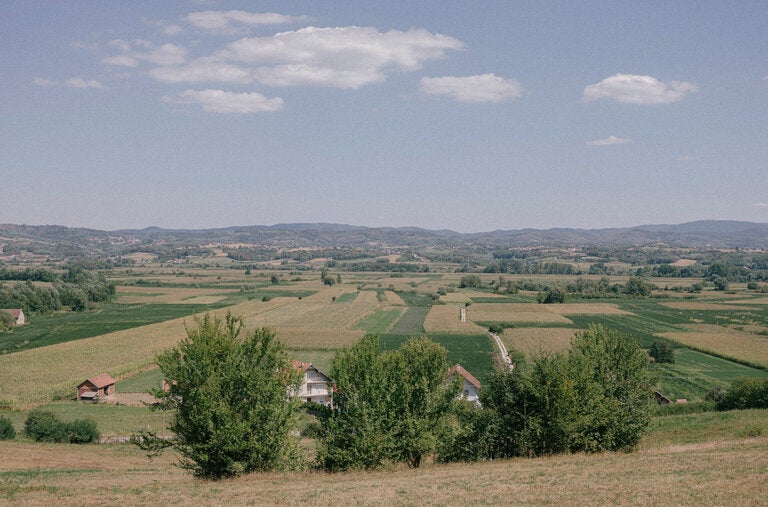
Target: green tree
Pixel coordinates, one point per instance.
(552, 294)
(661, 352)
(638, 286)
(232, 413)
(388, 407)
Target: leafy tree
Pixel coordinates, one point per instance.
(744, 393)
(720, 282)
(7, 431)
(661, 352)
(473, 281)
(232, 412)
(638, 286)
(388, 407)
(552, 294)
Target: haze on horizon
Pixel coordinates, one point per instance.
(468, 116)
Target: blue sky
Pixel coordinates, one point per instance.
(471, 116)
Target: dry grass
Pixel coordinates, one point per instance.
(730, 472)
(725, 342)
(392, 299)
(514, 312)
(536, 341)
(445, 319)
(311, 337)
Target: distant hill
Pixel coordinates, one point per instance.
(59, 241)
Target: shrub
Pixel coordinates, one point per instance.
(745, 393)
(44, 426)
(7, 432)
(661, 352)
(81, 431)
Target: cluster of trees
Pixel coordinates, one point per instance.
(233, 416)
(744, 393)
(45, 426)
(76, 289)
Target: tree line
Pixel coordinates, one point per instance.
(233, 414)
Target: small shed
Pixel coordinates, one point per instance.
(18, 315)
(96, 387)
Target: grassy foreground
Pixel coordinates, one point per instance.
(719, 472)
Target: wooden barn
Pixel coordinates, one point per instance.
(18, 315)
(96, 387)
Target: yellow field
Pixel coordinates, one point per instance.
(719, 472)
(312, 337)
(130, 295)
(514, 312)
(536, 341)
(455, 297)
(587, 309)
(445, 319)
(391, 298)
(38, 375)
(725, 342)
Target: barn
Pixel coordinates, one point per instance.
(96, 387)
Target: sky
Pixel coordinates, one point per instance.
(464, 115)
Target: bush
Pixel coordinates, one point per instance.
(7, 432)
(661, 352)
(81, 431)
(44, 426)
(745, 393)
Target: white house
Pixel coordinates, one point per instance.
(316, 386)
(471, 384)
(18, 315)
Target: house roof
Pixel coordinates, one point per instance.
(100, 381)
(459, 369)
(15, 312)
(302, 367)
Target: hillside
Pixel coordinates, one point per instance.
(64, 242)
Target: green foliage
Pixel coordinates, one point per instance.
(44, 426)
(552, 294)
(473, 281)
(467, 434)
(7, 431)
(744, 393)
(661, 352)
(597, 397)
(388, 405)
(232, 413)
(637, 286)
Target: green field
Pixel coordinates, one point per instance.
(43, 330)
(380, 322)
(474, 352)
(412, 321)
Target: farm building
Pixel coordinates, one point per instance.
(315, 386)
(96, 387)
(18, 315)
(471, 384)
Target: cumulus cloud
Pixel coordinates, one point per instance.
(140, 50)
(341, 57)
(473, 89)
(220, 101)
(203, 70)
(636, 89)
(223, 21)
(73, 82)
(609, 141)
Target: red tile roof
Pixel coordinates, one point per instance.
(102, 380)
(15, 312)
(457, 368)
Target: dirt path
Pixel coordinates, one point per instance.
(503, 349)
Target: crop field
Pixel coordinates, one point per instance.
(474, 351)
(514, 312)
(538, 341)
(445, 319)
(168, 295)
(412, 321)
(381, 321)
(455, 297)
(44, 330)
(729, 343)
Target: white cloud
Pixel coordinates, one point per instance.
(635, 89)
(223, 21)
(165, 55)
(172, 29)
(78, 82)
(220, 101)
(473, 89)
(609, 141)
(761, 205)
(206, 70)
(73, 82)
